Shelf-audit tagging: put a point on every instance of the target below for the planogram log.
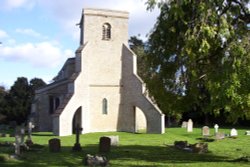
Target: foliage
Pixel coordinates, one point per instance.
(16, 103)
(135, 150)
(199, 56)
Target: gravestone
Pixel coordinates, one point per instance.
(29, 141)
(77, 145)
(54, 145)
(114, 140)
(219, 136)
(233, 133)
(17, 144)
(184, 124)
(104, 144)
(247, 133)
(216, 127)
(205, 131)
(95, 160)
(190, 125)
(22, 132)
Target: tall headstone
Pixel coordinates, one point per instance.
(216, 127)
(29, 141)
(190, 125)
(77, 145)
(205, 131)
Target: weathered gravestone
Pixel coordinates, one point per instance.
(219, 136)
(184, 124)
(104, 144)
(233, 133)
(205, 131)
(114, 140)
(29, 141)
(54, 145)
(77, 146)
(190, 125)
(95, 160)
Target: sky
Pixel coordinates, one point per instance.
(37, 36)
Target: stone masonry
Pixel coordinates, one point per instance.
(99, 88)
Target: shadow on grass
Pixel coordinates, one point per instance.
(42, 134)
(122, 156)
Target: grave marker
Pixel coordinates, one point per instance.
(77, 146)
(54, 145)
(205, 131)
(184, 124)
(216, 127)
(233, 133)
(190, 125)
(104, 144)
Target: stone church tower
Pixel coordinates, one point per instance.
(99, 88)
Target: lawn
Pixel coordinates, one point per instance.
(145, 150)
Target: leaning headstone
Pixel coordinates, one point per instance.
(114, 140)
(104, 144)
(77, 145)
(219, 136)
(190, 125)
(205, 131)
(247, 133)
(54, 145)
(233, 133)
(184, 124)
(199, 148)
(216, 127)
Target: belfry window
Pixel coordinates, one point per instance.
(105, 106)
(106, 31)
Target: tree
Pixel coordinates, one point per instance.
(199, 56)
(36, 83)
(18, 100)
(139, 48)
(16, 103)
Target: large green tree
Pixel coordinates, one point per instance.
(199, 57)
(16, 103)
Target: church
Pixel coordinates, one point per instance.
(99, 88)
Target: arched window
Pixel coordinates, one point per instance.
(106, 31)
(104, 106)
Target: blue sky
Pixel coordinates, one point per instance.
(39, 35)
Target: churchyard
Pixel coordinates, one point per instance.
(130, 149)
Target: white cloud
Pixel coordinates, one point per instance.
(43, 54)
(3, 34)
(12, 4)
(68, 13)
(30, 32)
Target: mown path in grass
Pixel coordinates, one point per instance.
(136, 150)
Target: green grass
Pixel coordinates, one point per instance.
(145, 150)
